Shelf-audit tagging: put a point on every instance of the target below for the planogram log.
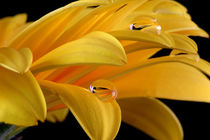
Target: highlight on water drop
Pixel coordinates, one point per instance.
(146, 24)
(104, 90)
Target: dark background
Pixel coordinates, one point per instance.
(194, 116)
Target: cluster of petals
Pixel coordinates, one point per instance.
(46, 66)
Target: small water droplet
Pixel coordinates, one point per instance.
(104, 90)
(146, 24)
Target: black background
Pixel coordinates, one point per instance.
(194, 116)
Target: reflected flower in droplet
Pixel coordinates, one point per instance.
(146, 24)
(104, 90)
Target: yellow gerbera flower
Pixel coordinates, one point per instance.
(48, 65)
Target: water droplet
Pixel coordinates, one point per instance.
(138, 27)
(104, 90)
(146, 24)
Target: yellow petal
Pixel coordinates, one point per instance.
(45, 31)
(22, 102)
(10, 26)
(100, 120)
(163, 7)
(16, 60)
(162, 39)
(103, 18)
(192, 60)
(105, 72)
(88, 3)
(151, 116)
(194, 32)
(168, 41)
(63, 75)
(169, 7)
(57, 115)
(166, 80)
(182, 25)
(136, 60)
(94, 48)
(184, 43)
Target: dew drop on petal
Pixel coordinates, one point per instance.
(146, 24)
(104, 90)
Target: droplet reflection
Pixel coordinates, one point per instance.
(104, 90)
(146, 24)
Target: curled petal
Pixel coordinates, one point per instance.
(95, 48)
(100, 120)
(151, 116)
(21, 100)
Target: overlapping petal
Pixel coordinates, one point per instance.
(16, 60)
(94, 48)
(89, 3)
(10, 26)
(57, 115)
(21, 100)
(166, 80)
(182, 25)
(162, 39)
(100, 120)
(84, 74)
(62, 38)
(46, 30)
(151, 116)
(134, 41)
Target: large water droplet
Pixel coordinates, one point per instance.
(146, 24)
(104, 90)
